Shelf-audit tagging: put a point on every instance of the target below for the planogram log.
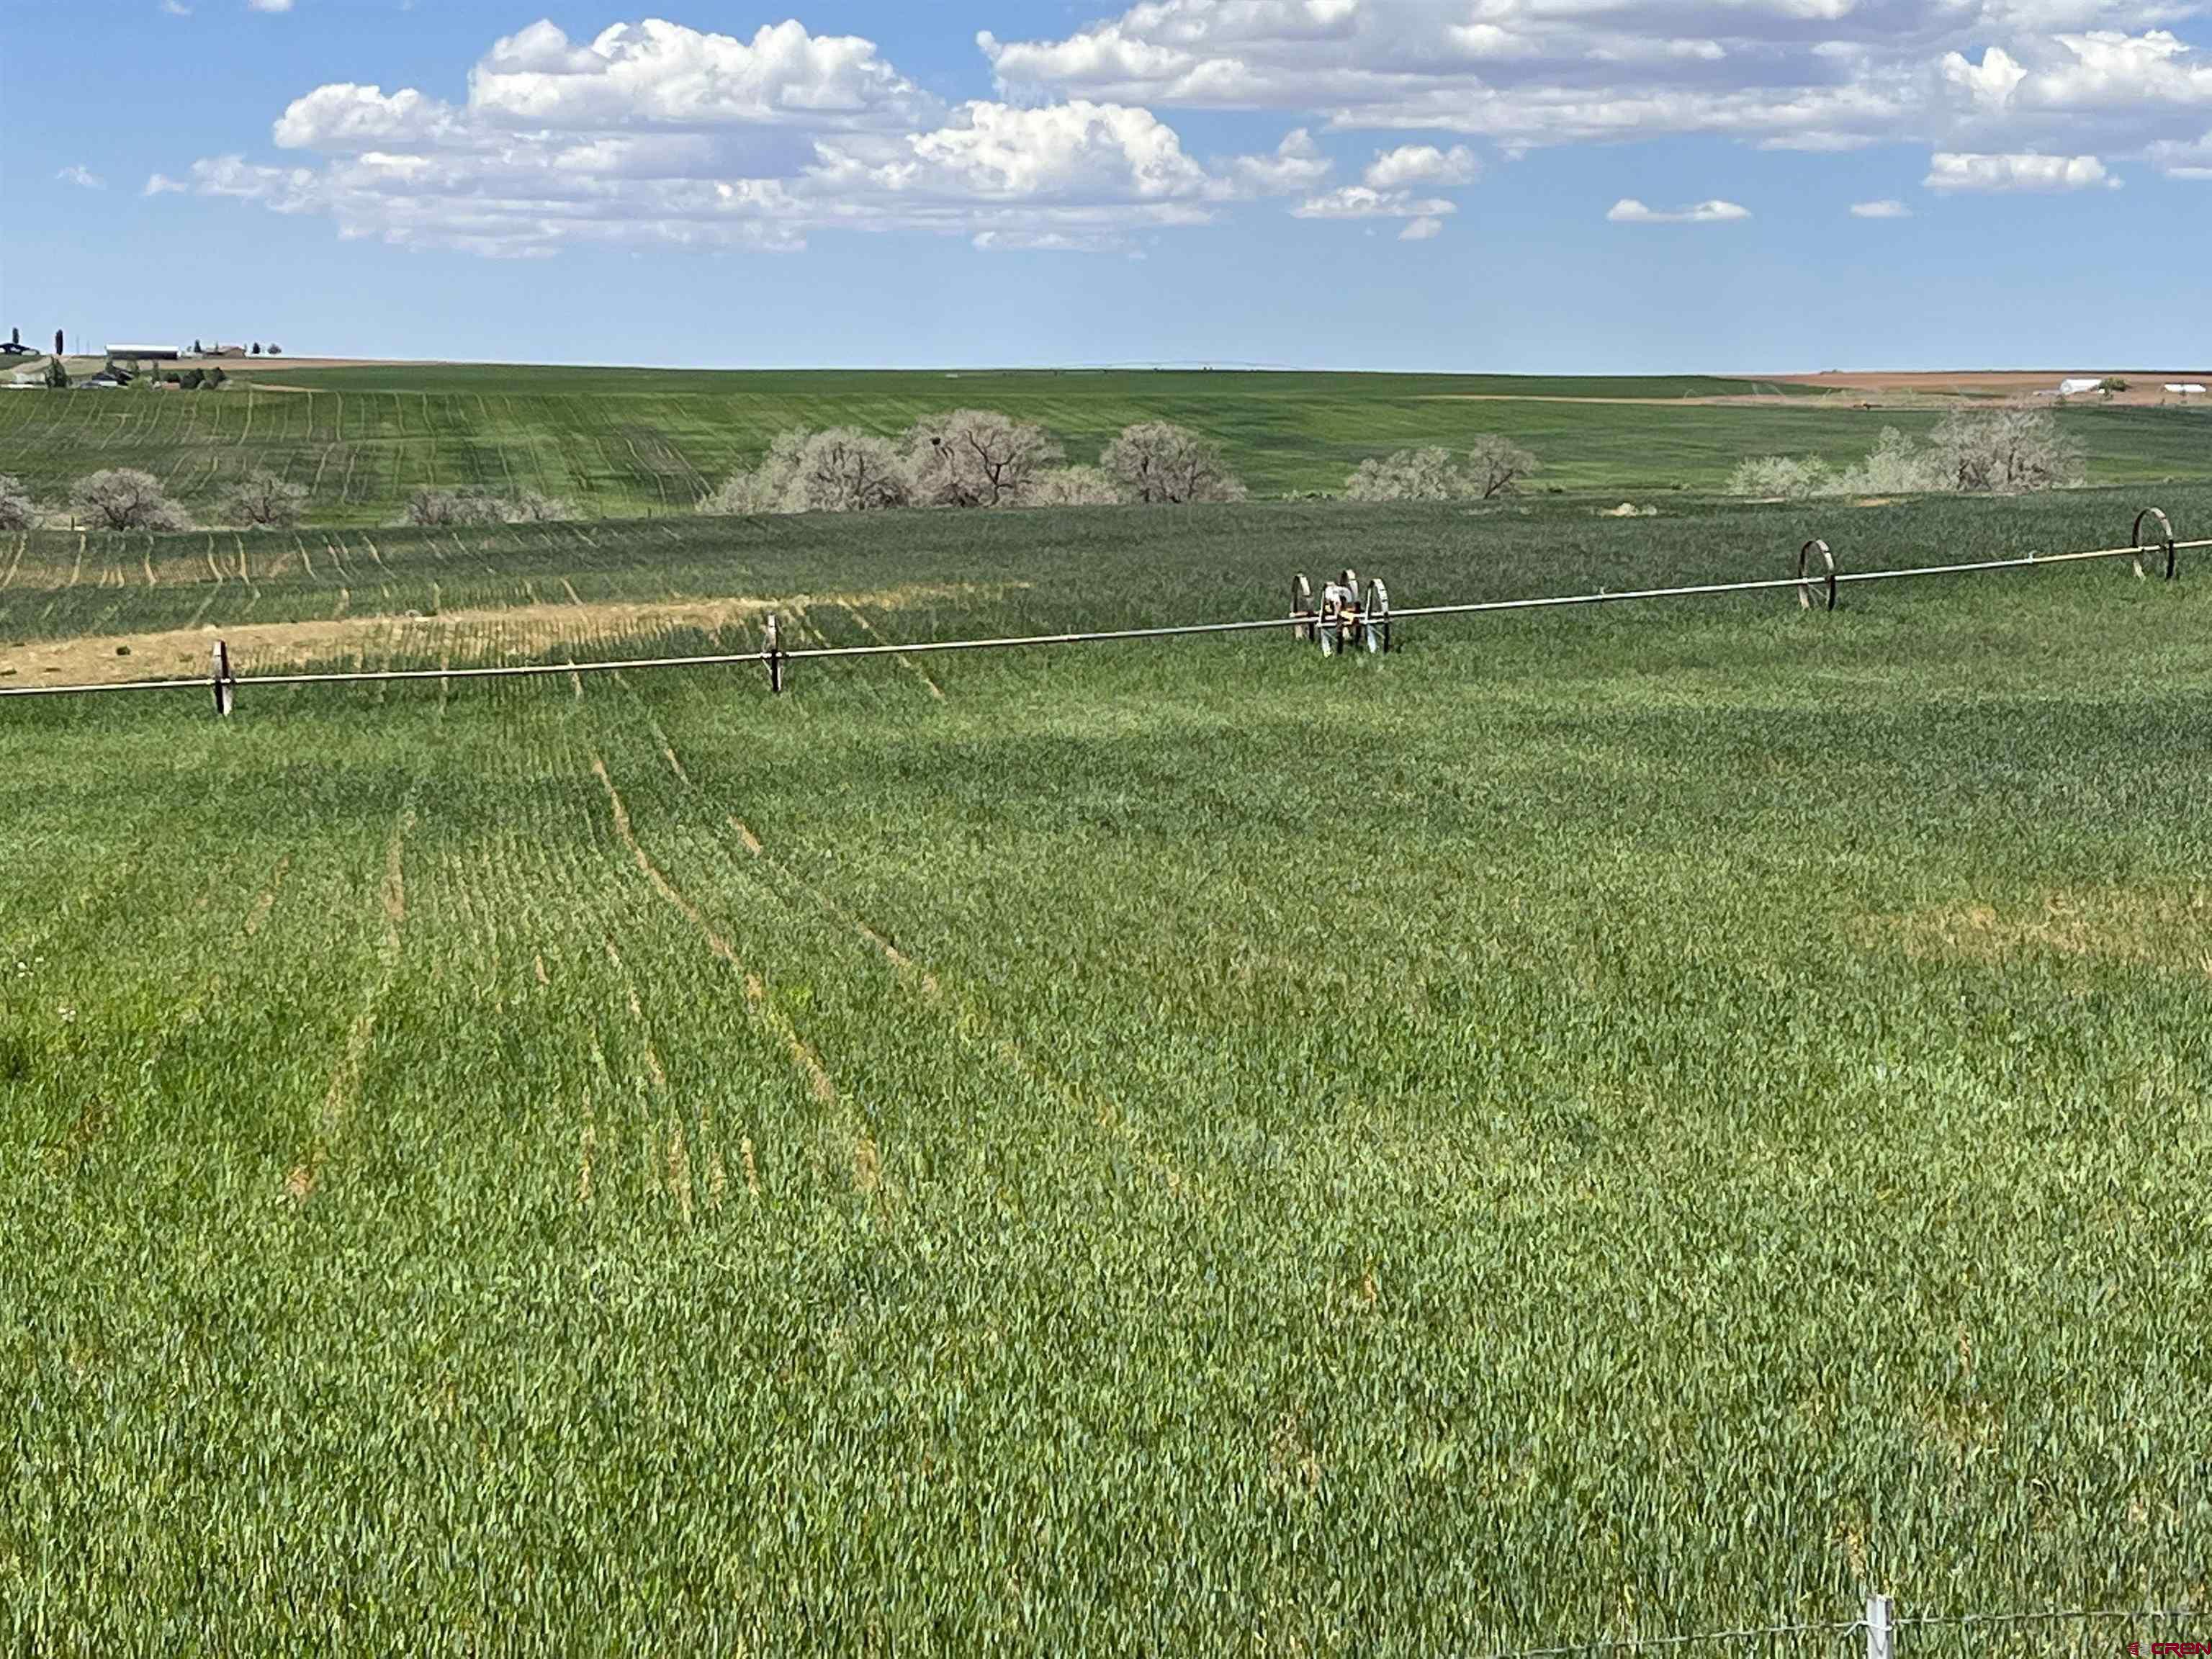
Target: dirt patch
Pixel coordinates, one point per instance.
(469, 638)
(2169, 928)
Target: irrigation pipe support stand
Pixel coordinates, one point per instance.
(226, 684)
(1880, 1620)
(773, 655)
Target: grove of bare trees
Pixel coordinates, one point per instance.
(974, 458)
(1989, 452)
(1493, 466)
(472, 506)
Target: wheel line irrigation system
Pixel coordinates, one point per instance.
(1817, 583)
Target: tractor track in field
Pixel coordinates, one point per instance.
(341, 1098)
(971, 1019)
(670, 1144)
(903, 659)
(757, 999)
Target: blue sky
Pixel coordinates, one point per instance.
(1537, 185)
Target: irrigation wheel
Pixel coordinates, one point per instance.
(1374, 619)
(1810, 580)
(1330, 629)
(2162, 527)
(1302, 608)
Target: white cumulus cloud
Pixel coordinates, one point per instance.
(82, 176)
(1422, 164)
(1953, 171)
(1365, 202)
(1810, 75)
(1630, 211)
(655, 130)
(1887, 209)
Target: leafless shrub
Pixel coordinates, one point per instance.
(464, 506)
(530, 507)
(1895, 466)
(1783, 477)
(1410, 475)
(978, 457)
(17, 510)
(1161, 464)
(124, 498)
(1075, 486)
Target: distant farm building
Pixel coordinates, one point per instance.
(131, 360)
(2185, 388)
(2076, 385)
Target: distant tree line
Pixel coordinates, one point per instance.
(468, 505)
(125, 498)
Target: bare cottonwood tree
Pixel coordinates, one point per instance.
(124, 498)
(262, 499)
(2005, 451)
(1496, 464)
(1161, 464)
(978, 457)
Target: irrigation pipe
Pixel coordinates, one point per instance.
(1805, 583)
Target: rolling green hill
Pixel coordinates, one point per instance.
(618, 443)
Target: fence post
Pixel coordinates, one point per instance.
(1880, 1611)
(225, 695)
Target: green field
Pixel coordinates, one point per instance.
(1614, 1123)
(621, 441)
